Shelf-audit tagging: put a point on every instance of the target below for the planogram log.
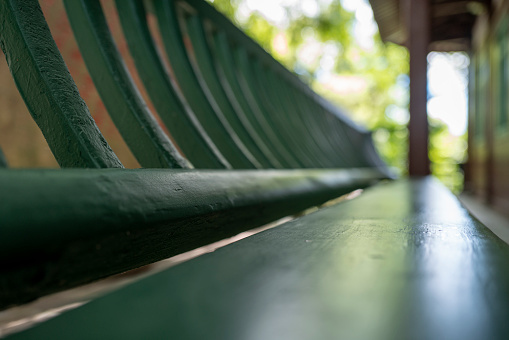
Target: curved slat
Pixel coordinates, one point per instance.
(198, 95)
(205, 64)
(336, 151)
(337, 126)
(309, 120)
(292, 117)
(279, 114)
(141, 132)
(266, 139)
(48, 90)
(339, 131)
(176, 114)
(251, 90)
(238, 38)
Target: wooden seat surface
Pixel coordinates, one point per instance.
(404, 260)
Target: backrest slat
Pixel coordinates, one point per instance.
(290, 117)
(267, 140)
(335, 147)
(149, 144)
(280, 115)
(305, 120)
(48, 90)
(169, 102)
(199, 97)
(266, 108)
(205, 65)
(283, 116)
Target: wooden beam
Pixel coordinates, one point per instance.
(419, 32)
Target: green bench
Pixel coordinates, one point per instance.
(403, 261)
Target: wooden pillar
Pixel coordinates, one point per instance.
(418, 41)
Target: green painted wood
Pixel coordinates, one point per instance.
(234, 39)
(3, 161)
(239, 38)
(268, 138)
(267, 110)
(229, 82)
(48, 90)
(280, 115)
(171, 106)
(195, 90)
(310, 120)
(338, 133)
(403, 261)
(206, 67)
(141, 132)
(284, 117)
(84, 225)
(338, 152)
(332, 129)
(291, 118)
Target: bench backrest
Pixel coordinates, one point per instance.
(226, 103)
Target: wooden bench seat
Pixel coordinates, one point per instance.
(87, 224)
(248, 143)
(404, 260)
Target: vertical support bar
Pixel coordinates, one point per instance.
(418, 24)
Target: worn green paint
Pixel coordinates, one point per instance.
(229, 81)
(287, 118)
(198, 95)
(336, 149)
(403, 261)
(308, 120)
(239, 38)
(176, 114)
(148, 142)
(84, 225)
(3, 161)
(205, 65)
(266, 109)
(246, 99)
(48, 90)
(228, 38)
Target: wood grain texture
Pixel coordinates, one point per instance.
(403, 261)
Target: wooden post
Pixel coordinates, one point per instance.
(419, 27)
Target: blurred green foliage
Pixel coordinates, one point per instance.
(379, 78)
(446, 153)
